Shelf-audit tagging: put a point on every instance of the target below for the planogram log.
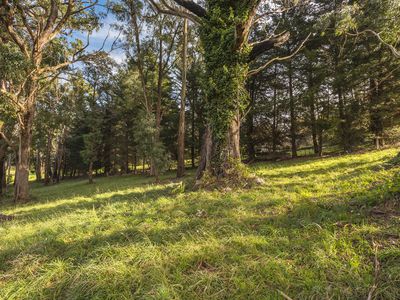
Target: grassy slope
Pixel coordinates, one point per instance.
(309, 232)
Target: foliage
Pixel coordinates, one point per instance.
(147, 145)
(226, 68)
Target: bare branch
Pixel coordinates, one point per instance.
(395, 52)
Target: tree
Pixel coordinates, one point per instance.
(224, 28)
(181, 129)
(34, 28)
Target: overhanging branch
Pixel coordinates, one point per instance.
(279, 58)
(192, 7)
(259, 48)
(171, 11)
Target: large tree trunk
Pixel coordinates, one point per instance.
(218, 160)
(181, 129)
(21, 192)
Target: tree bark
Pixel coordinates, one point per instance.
(21, 191)
(181, 129)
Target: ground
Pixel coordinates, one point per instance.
(318, 229)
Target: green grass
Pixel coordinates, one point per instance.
(313, 231)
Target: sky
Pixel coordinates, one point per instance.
(96, 39)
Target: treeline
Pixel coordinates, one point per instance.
(326, 77)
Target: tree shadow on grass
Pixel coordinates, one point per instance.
(295, 234)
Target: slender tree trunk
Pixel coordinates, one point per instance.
(250, 123)
(275, 114)
(343, 127)
(3, 182)
(90, 172)
(313, 117)
(38, 166)
(181, 129)
(320, 141)
(193, 135)
(9, 165)
(135, 162)
(376, 119)
(293, 125)
(47, 161)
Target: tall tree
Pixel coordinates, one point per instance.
(181, 128)
(34, 27)
(225, 28)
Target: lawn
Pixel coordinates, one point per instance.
(317, 229)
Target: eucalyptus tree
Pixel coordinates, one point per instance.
(224, 28)
(40, 30)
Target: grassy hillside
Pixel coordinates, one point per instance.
(318, 228)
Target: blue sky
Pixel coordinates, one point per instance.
(97, 38)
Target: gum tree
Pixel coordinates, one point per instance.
(39, 30)
(224, 27)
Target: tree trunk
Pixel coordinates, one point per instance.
(275, 114)
(90, 172)
(47, 161)
(3, 182)
(21, 192)
(193, 137)
(38, 167)
(9, 165)
(218, 160)
(343, 126)
(251, 153)
(293, 124)
(181, 129)
(376, 119)
(313, 118)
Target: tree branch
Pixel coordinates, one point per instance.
(192, 7)
(267, 44)
(173, 12)
(275, 59)
(395, 52)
